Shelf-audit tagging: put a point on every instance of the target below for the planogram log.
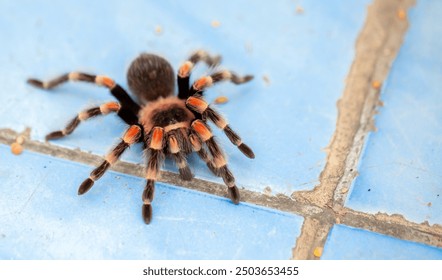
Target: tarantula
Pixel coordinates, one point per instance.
(165, 124)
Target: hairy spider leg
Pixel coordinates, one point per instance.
(131, 136)
(199, 105)
(219, 160)
(179, 157)
(129, 108)
(225, 75)
(104, 109)
(202, 152)
(186, 68)
(155, 149)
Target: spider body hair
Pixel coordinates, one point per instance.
(166, 124)
(170, 113)
(150, 76)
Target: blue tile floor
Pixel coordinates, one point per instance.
(108, 36)
(400, 170)
(41, 210)
(300, 53)
(346, 243)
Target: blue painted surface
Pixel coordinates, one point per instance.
(305, 56)
(400, 170)
(346, 243)
(288, 121)
(42, 217)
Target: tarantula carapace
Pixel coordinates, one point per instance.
(167, 125)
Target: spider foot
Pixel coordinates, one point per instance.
(147, 213)
(240, 80)
(234, 194)
(36, 83)
(186, 174)
(55, 135)
(85, 186)
(246, 150)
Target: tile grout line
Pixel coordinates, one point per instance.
(376, 47)
(277, 202)
(313, 215)
(393, 225)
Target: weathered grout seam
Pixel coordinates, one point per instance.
(314, 215)
(377, 45)
(393, 225)
(278, 202)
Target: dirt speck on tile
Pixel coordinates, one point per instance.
(16, 148)
(318, 252)
(266, 79)
(401, 14)
(159, 30)
(376, 84)
(221, 100)
(299, 10)
(215, 23)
